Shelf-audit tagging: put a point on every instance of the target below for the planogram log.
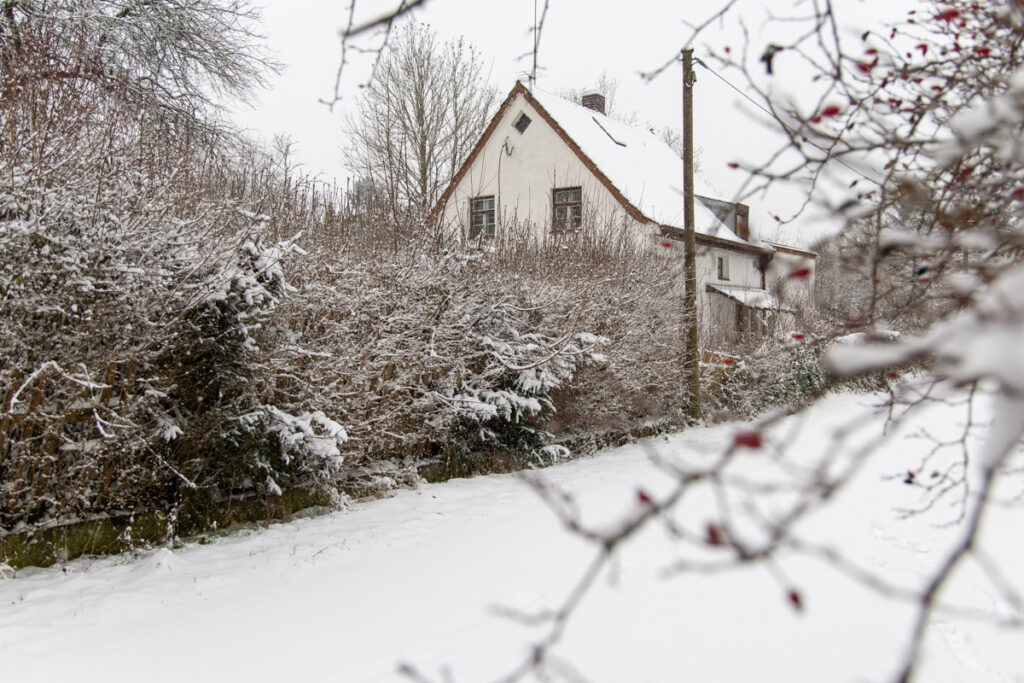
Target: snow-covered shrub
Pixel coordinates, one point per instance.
(776, 376)
(133, 283)
(94, 268)
(423, 354)
(307, 447)
(229, 441)
(459, 361)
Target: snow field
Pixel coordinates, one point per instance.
(419, 578)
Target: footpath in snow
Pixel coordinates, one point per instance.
(424, 577)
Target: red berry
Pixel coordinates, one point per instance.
(713, 535)
(749, 439)
(643, 498)
(799, 273)
(798, 336)
(795, 599)
(666, 244)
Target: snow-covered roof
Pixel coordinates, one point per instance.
(644, 169)
(752, 298)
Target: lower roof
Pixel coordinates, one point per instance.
(751, 298)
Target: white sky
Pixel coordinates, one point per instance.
(581, 39)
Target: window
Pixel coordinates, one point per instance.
(481, 217)
(723, 267)
(522, 123)
(568, 208)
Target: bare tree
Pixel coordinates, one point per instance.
(176, 56)
(608, 86)
(418, 119)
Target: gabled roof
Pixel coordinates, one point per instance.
(642, 172)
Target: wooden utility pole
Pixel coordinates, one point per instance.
(691, 357)
(533, 72)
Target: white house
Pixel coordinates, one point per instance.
(553, 167)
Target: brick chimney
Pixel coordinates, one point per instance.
(592, 99)
(742, 227)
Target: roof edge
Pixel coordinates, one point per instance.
(796, 251)
(464, 168)
(711, 240)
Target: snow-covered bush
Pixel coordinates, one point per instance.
(308, 445)
(455, 361)
(133, 281)
(777, 376)
(228, 441)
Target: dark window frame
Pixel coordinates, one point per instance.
(522, 122)
(570, 201)
(723, 267)
(487, 227)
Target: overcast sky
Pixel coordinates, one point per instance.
(581, 39)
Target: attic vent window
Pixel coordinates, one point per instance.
(522, 123)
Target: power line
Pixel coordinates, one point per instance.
(785, 125)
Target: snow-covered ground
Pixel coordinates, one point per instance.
(421, 577)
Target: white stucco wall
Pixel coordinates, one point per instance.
(717, 313)
(521, 170)
(743, 267)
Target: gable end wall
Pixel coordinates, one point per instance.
(521, 170)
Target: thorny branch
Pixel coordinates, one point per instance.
(352, 30)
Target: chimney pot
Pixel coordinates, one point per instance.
(592, 99)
